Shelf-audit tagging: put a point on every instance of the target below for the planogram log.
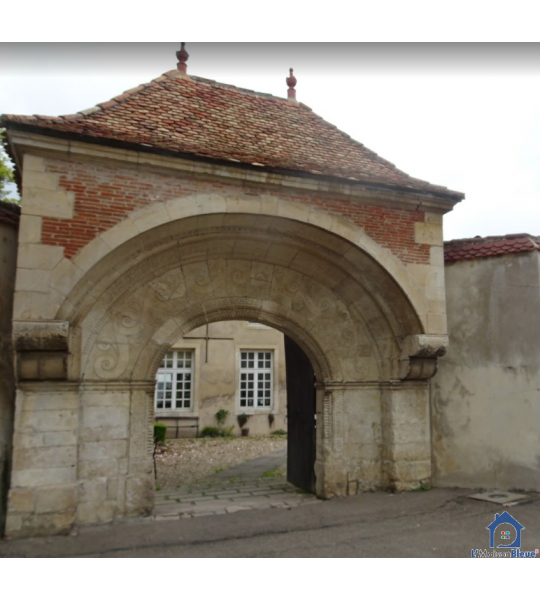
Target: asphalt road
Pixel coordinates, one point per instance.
(438, 523)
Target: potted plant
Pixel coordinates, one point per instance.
(242, 420)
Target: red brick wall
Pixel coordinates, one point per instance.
(105, 195)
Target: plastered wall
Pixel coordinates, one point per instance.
(216, 379)
(485, 398)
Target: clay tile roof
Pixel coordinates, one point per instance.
(202, 118)
(478, 247)
(10, 214)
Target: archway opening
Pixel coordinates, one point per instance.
(234, 391)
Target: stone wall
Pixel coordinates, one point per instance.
(89, 198)
(9, 217)
(486, 394)
(83, 455)
(122, 254)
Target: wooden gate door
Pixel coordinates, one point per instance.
(301, 419)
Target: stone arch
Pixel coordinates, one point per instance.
(350, 305)
(279, 269)
(225, 309)
(204, 205)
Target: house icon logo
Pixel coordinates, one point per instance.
(496, 529)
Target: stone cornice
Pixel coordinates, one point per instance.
(93, 385)
(335, 386)
(22, 142)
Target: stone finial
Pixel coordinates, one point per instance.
(291, 82)
(182, 57)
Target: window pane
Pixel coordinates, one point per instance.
(173, 381)
(256, 379)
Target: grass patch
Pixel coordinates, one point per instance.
(425, 487)
(273, 473)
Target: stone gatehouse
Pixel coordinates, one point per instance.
(185, 202)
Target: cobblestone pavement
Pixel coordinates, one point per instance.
(256, 484)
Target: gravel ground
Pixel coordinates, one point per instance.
(183, 462)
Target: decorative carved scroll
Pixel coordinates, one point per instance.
(333, 418)
(140, 446)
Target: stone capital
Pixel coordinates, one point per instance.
(42, 348)
(40, 336)
(424, 346)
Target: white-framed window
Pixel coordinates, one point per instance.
(256, 379)
(174, 382)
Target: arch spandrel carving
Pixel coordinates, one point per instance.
(279, 270)
(176, 228)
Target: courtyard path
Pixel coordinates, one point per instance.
(190, 461)
(257, 484)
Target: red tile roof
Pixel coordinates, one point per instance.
(202, 118)
(495, 245)
(10, 214)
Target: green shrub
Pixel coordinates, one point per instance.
(279, 432)
(221, 416)
(160, 432)
(210, 432)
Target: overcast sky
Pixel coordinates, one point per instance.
(466, 116)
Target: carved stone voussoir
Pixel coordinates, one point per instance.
(424, 346)
(36, 336)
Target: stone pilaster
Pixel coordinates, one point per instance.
(115, 451)
(349, 439)
(43, 495)
(406, 456)
(82, 455)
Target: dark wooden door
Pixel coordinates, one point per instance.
(300, 417)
